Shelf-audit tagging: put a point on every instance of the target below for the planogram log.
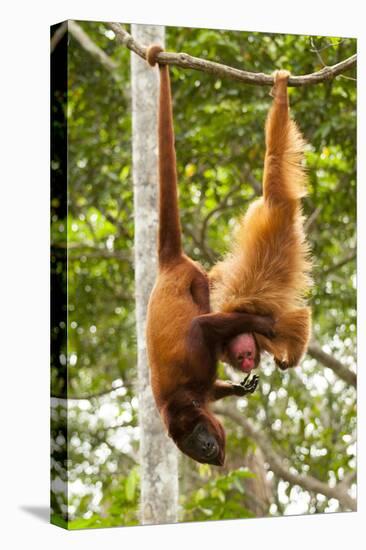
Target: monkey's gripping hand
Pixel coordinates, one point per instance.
(246, 386)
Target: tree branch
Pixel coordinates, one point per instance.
(281, 467)
(221, 206)
(188, 62)
(348, 258)
(308, 226)
(317, 52)
(87, 397)
(90, 251)
(87, 43)
(57, 35)
(315, 351)
(206, 252)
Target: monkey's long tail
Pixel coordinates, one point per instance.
(170, 246)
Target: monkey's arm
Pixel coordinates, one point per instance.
(219, 327)
(223, 389)
(208, 333)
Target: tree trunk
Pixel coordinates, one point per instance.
(158, 457)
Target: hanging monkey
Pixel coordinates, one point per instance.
(267, 269)
(184, 340)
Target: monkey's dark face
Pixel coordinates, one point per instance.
(196, 431)
(203, 445)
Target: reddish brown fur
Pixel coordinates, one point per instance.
(183, 338)
(267, 269)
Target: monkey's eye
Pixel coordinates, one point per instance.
(195, 403)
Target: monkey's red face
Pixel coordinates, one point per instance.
(242, 352)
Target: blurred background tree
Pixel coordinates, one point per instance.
(290, 446)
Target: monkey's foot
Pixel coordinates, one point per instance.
(279, 90)
(283, 365)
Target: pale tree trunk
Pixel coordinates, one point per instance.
(158, 456)
(258, 489)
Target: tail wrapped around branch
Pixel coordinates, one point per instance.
(170, 247)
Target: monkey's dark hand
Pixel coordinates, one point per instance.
(246, 386)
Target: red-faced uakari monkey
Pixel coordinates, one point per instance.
(267, 269)
(184, 339)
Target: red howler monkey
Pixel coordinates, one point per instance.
(267, 269)
(184, 339)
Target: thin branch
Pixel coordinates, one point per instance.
(222, 206)
(103, 254)
(87, 397)
(312, 219)
(127, 40)
(57, 35)
(87, 43)
(225, 205)
(329, 45)
(348, 258)
(316, 51)
(315, 351)
(91, 229)
(348, 77)
(281, 466)
(188, 62)
(318, 210)
(120, 227)
(206, 252)
(349, 479)
(90, 251)
(257, 186)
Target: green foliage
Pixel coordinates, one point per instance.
(121, 502)
(308, 415)
(221, 498)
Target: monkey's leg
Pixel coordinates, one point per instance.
(277, 120)
(223, 389)
(283, 178)
(200, 292)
